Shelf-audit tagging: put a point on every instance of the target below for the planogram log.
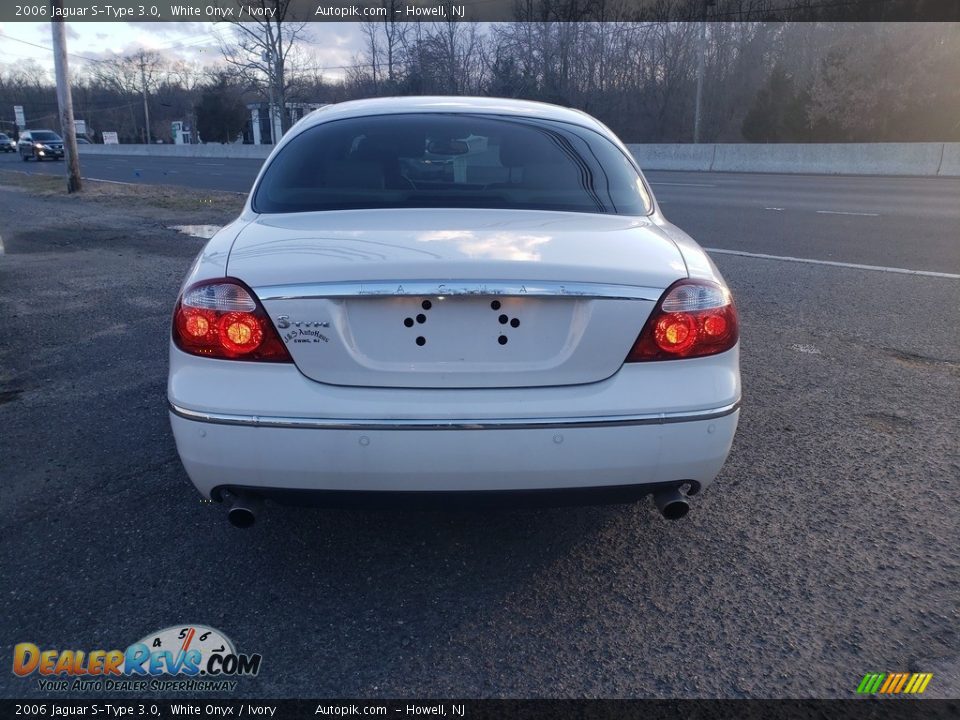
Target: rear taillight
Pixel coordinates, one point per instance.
(693, 318)
(223, 319)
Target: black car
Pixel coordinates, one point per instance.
(7, 143)
(40, 145)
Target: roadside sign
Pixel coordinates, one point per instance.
(110, 138)
(80, 127)
(21, 120)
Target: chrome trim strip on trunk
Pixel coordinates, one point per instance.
(445, 288)
(454, 424)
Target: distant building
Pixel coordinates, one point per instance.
(261, 131)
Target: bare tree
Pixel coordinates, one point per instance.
(131, 75)
(385, 41)
(264, 52)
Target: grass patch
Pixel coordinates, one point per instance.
(165, 197)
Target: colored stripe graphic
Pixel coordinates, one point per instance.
(894, 683)
(870, 683)
(891, 679)
(900, 682)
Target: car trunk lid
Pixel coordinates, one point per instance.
(495, 299)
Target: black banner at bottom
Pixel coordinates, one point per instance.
(861, 709)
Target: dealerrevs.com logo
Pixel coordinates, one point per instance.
(197, 657)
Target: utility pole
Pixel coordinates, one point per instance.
(64, 98)
(276, 123)
(143, 82)
(701, 67)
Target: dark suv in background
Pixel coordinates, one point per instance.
(7, 143)
(40, 145)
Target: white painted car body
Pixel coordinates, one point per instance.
(362, 408)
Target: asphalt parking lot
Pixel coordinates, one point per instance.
(828, 547)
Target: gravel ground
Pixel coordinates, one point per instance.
(827, 549)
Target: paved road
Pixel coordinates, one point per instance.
(903, 222)
(827, 549)
(202, 173)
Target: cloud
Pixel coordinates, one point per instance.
(176, 29)
(326, 48)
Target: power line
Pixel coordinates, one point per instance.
(48, 49)
(183, 44)
(178, 46)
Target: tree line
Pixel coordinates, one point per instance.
(761, 81)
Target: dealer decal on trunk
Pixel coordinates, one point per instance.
(299, 332)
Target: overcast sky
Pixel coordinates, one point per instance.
(327, 45)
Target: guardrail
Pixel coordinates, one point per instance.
(210, 150)
(920, 159)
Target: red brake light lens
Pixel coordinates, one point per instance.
(694, 318)
(223, 319)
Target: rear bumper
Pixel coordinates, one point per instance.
(632, 455)
(650, 423)
(457, 500)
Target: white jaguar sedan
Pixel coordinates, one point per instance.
(452, 299)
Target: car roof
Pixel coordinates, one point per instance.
(450, 104)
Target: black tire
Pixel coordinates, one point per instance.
(24, 157)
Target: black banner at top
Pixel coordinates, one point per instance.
(481, 10)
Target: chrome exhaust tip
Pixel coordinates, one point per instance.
(242, 508)
(671, 503)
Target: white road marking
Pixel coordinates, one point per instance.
(112, 182)
(680, 184)
(855, 266)
(841, 212)
(777, 209)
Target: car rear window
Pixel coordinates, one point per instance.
(432, 160)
